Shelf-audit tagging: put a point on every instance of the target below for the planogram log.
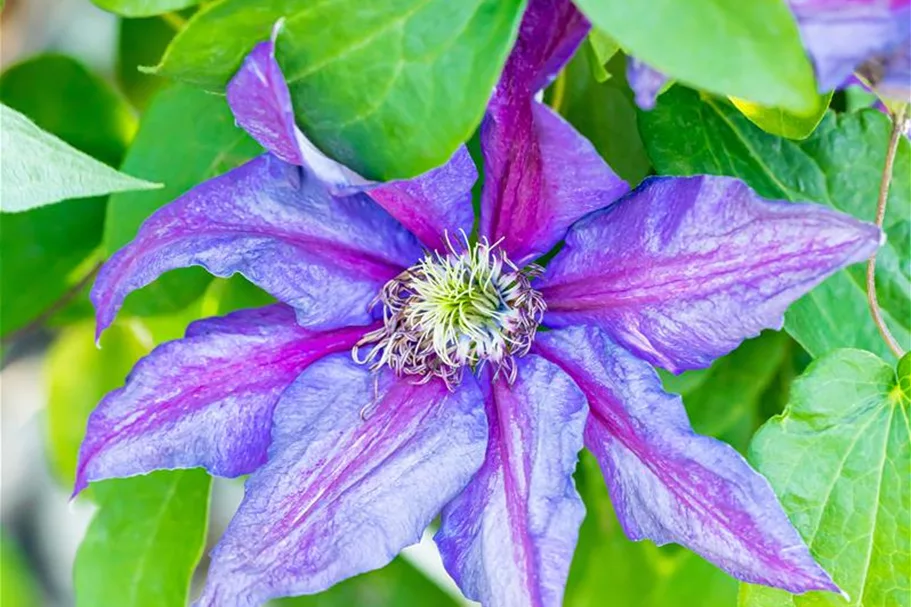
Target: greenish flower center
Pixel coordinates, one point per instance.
(468, 307)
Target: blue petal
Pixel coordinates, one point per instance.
(359, 466)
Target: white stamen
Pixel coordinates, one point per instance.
(468, 307)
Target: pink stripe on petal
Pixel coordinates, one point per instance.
(682, 270)
(668, 484)
(509, 538)
(359, 466)
(205, 400)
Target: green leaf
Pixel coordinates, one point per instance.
(606, 114)
(634, 574)
(142, 546)
(143, 8)
(56, 242)
(369, 81)
(62, 97)
(839, 165)
(186, 137)
(140, 42)
(750, 49)
(40, 169)
(782, 122)
(18, 586)
(838, 458)
(229, 295)
(79, 374)
(727, 402)
(399, 583)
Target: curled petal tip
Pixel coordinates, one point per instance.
(276, 29)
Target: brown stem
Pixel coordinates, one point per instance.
(176, 22)
(898, 127)
(55, 307)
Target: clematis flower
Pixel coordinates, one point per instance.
(870, 37)
(452, 400)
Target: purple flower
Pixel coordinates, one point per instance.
(453, 402)
(871, 37)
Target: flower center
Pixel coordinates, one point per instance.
(467, 307)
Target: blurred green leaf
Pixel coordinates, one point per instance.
(727, 403)
(79, 374)
(361, 73)
(64, 98)
(142, 546)
(606, 114)
(399, 583)
(235, 293)
(750, 50)
(610, 569)
(839, 165)
(44, 251)
(140, 42)
(143, 8)
(782, 122)
(186, 137)
(40, 169)
(838, 458)
(18, 587)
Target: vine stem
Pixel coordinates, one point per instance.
(898, 127)
(55, 307)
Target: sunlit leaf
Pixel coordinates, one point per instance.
(142, 546)
(730, 47)
(40, 169)
(782, 122)
(143, 8)
(839, 457)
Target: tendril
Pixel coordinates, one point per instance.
(899, 119)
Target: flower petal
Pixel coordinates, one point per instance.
(205, 400)
(281, 229)
(428, 205)
(669, 484)
(436, 204)
(842, 35)
(695, 266)
(259, 97)
(645, 81)
(540, 175)
(359, 466)
(509, 538)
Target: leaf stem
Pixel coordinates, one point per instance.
(55, 307)
(559, 94)
(898, 127)
(174, 20)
